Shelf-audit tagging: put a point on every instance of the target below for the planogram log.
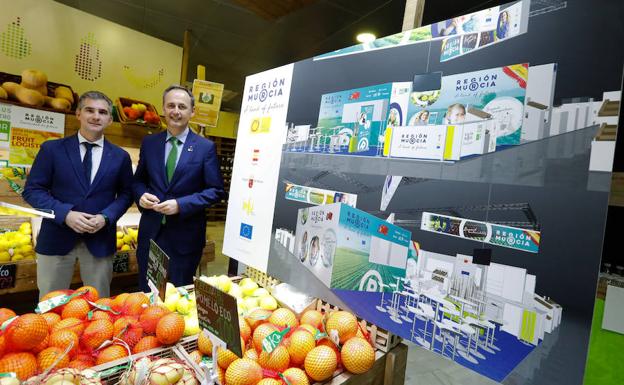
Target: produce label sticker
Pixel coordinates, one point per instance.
(157, 266)
(217, 312)
(27, 129)
(272, 341)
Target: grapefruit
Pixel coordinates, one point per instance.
(321, 363)
(260, 334)
(296, 376)
(344, 323)
(278, 360)
(243, 371)
(283, 317)
(257, 317)
(225, 357)
(357, 355)
(312, 317)
(299, 345)
(204, 344)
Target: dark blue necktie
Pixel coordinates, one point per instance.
(87, 161)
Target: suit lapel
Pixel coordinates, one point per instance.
(104, 163)
(160, 157)
(73, 152)
(187, 152)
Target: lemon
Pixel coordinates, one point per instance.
(125, 248)
(4, 256)
(119, 234)
(119, 243)
(17, 257)
(25, 249)
(127, 238)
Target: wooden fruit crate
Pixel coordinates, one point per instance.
(6, 77)
(122, 102)
(124, 263)
(388, 369)
(260, 278)
(383, 339)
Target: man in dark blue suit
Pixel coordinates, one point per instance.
(177, 178)
(87, 182)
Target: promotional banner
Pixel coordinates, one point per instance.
(350, 121)
(499, 22)
(467, 97)
(207, 102)
(23, 130)
(505, 236)
(317, 196)
(481, 29)
(261, 134)
(343, 246)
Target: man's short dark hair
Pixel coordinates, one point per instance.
(95, 95)
(179, 87)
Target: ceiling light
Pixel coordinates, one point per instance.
(365, 37)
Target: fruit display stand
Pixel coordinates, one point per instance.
(390, 354)
(124, 262)
(26, 269)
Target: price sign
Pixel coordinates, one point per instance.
(217, 312)
(157, 266)
(121, 262)
(8, 276)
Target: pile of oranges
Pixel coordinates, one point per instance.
(85, 332)
(305, 355)
(88, 331)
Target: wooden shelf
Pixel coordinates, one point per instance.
(225, 152)
(124, 135)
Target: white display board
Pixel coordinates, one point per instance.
(261, 132)
(418, 142)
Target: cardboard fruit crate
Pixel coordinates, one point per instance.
(122, 102)
(7, 77)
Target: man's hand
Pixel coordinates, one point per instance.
(79, 222)
(169, 207)
(148, 201)
(97, 222)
